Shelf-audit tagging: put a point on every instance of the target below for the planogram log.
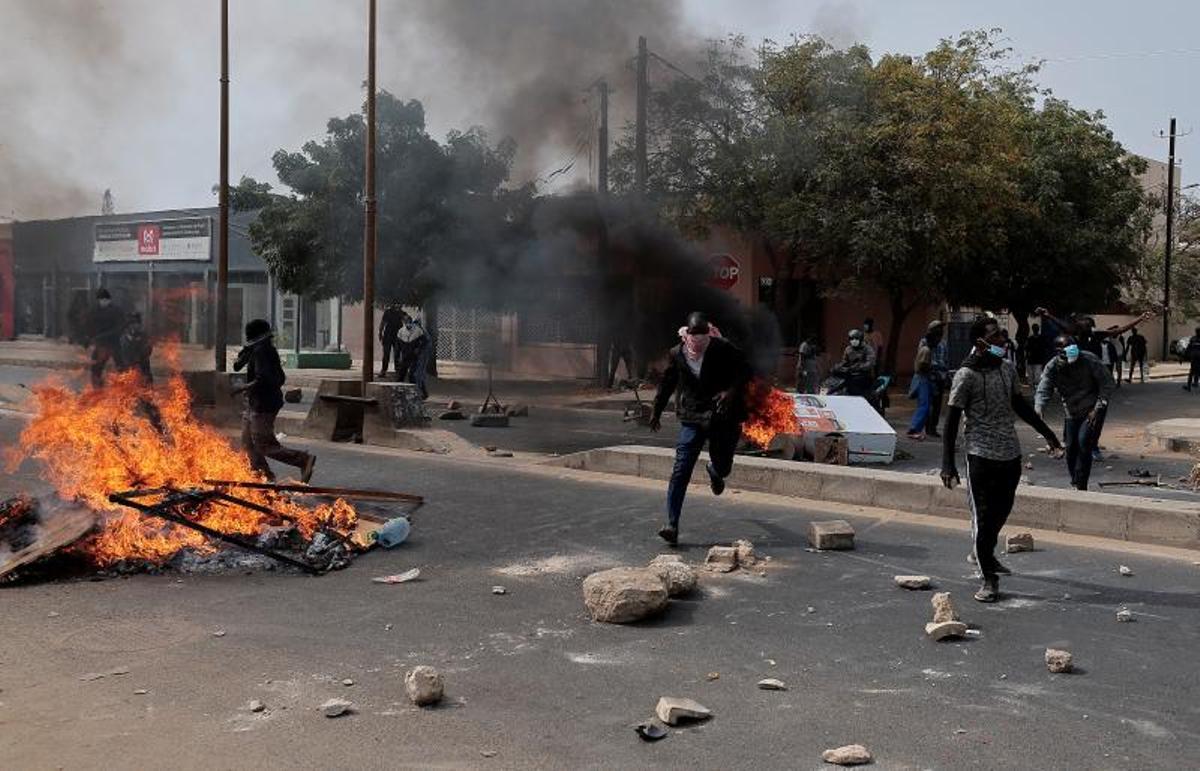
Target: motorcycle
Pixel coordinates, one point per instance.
(842, 383)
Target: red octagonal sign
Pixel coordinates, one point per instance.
(725, 271)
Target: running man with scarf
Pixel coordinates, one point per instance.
(987, 391)
(708, 377)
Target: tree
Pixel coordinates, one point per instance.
(441, 207)
(1145, 288)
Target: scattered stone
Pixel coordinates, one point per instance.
(721, 559)
(810, 609)
(913, 582)
(398, 578)
(140, 692)
(499, 590)
(119, 671)
(219, 633)
(90, 676)
(500, 454)
(1018, 542)
(623, 595)
(672, 710)
(454, 404)
(451, 415)
(944, 630)
(256, 706)
(518, 411)
(1003, 677)
(974, 633)
(52, 614)
(835, 534)
(1125, 615)
(943, 608)
(489, 753)
(387, 627)
(424, 686)
(1059, 661)
(347, 682)
(712, 676)
(1125, 571)
(745, 552)
(679, 576)
(849, 755)
(337, 708)
(771, 684)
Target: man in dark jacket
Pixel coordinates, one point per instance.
(987, 392)
(1192, 354)
(708, 377)
(389, 337)
(135, 348)
(1137, 354)
(1085, 385)
(264, 399)
(105, 324)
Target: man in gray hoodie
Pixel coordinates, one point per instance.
(1085, 385)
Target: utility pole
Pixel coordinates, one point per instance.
(368, 361)
(223, 199)
(1166, 318)
(602, 166)
(643, 88)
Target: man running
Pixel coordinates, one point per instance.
(708, 376)
(1085, 385)
(986, 389)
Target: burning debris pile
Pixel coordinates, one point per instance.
(142, 467)
(770, 412)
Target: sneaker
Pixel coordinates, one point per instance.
(306, 473)
(916, 436)
(971, 558)
(989, 591)
(669, 534)
(714, 481)
(1001, 569)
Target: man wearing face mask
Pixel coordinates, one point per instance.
(857, 365)
(1085, 385)
(987, 391)
(708, 377)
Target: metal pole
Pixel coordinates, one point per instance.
(602, 172)
(223, 199)
(368, 362)
(640, 164)
(1166, 319)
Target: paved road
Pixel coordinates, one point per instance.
(530, 678)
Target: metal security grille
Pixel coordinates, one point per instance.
(565, 315)
(466, 334)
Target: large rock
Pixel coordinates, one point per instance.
(833, 534)
(943, 630)
(624, 595)
(721, 559)
(849, 755)
(1059, 661)
(943, 608)
(1018, 542)
(672, 710)
(424, 686)
(679, 576)
(336, 708)
(912, 582)
(745, 553)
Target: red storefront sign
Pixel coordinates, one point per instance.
(148, 238)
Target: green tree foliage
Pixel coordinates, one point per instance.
(443, 209)
(1145, 289)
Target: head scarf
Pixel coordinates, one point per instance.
(694, 346)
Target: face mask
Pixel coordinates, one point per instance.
(105, 303)
(996, 350)
(856, 343)
(1072, 352)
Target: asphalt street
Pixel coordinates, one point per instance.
(533, 683)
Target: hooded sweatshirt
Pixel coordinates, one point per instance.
(1080, 383)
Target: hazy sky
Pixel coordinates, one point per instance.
(124, 93)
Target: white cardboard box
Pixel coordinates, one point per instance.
(870, 438)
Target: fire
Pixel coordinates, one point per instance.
(771, 412)
(129, 435)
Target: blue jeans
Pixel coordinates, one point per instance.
(722, 440)
(923, 390)
(1079, 441)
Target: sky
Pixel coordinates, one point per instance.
(123, 94)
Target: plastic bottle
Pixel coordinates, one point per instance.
(394, 532)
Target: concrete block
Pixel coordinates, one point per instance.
(613, 462)
(1037, 507)
(1089, 516)
(800, 482)
(831, 534)
(848, 487)
(948, 503)
(658, 465)
(747, 476)
(912, 493)
(1154, 523)
(489, 420)
(330, 420)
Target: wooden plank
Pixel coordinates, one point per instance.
(65, 527)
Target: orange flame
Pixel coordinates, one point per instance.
(103, 441)
(771, 412)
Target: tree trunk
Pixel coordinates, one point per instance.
(899, 312)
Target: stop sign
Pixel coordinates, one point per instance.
(725, 271)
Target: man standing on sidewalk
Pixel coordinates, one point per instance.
(987, 391)
(925, 385)
(264, 399)
(389, 337)
(708, 376)
(1137, 354)
(105, 324)
(1192, 354)
(1085, 385)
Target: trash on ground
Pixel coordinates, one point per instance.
(394, 532)
(398, 578)
(650, 732)
(1124, 570)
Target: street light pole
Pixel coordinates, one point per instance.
(368, 362)
(223, 200)
(1166, 319)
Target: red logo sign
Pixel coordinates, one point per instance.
(725, 271)
(148, 237)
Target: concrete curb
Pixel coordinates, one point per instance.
(1176, 434)
(1170, 523)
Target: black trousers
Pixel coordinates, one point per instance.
(991, 488)
(391, 345)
